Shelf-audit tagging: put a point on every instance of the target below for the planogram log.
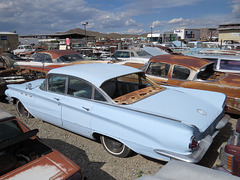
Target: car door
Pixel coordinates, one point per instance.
(77, 106)
(47, 105)
(179, 74)
(158, 72)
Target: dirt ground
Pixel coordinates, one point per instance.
(96, 163)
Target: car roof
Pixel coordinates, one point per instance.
(187, 61)
(57, 53)
(219, 56)
(95, 73)
(129, 50)
(4, 115)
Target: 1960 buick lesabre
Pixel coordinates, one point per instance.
(126, 110)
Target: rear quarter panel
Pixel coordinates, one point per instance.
(139, 131)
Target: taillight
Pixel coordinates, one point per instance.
(228, 162)
(193, 144)
(226, 108)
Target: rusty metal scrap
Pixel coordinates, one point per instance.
(137, 95)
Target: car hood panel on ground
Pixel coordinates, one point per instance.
(51, 166)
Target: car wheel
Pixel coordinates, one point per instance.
(22, 111)
(115, 147)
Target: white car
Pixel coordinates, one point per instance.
(23, 48)
(132, 55)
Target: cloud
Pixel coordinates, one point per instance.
(135, 31)
(44, 16)
(175, 20)
(236, 8)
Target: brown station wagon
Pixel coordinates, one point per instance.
(196, 73)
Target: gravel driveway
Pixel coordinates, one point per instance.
(95, 162)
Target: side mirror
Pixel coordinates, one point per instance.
(29, 86)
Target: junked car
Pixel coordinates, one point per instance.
(223, 63)
(176, 170)
(23, 48)
(132, 55)
(24, 156)
(125, 110)
(44, 61)
(50, 57)
(10, 74)
(230, 153)
(195, 73)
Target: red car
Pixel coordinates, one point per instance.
(24, 156)
(230, 154)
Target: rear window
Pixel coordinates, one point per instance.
(229, 64)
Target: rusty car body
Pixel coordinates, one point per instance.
(195, 73)
(24, 156)
(44, 61)
(125, 110)
(223, 63)
(11, 74)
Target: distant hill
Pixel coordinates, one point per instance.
(102, 35)
(205, 33)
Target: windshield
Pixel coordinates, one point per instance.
(9, 130)
(143, 53)
(28, 47)
(121, 54)
(70, 58)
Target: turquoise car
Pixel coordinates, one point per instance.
(125, 110)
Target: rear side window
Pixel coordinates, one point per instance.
(180, 72)
(79, 88)
(158, 69)
(70, 58)
(41, 57)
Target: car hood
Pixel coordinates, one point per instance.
(194, 107)
(51, 166)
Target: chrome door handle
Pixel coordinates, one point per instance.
(87, 109)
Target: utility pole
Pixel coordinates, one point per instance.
(85, 24)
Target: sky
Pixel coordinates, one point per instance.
(29, 17)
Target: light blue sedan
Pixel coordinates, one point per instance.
(125, 110)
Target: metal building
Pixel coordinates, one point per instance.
(8, 41)
(229, 33)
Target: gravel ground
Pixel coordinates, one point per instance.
(96, 163)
